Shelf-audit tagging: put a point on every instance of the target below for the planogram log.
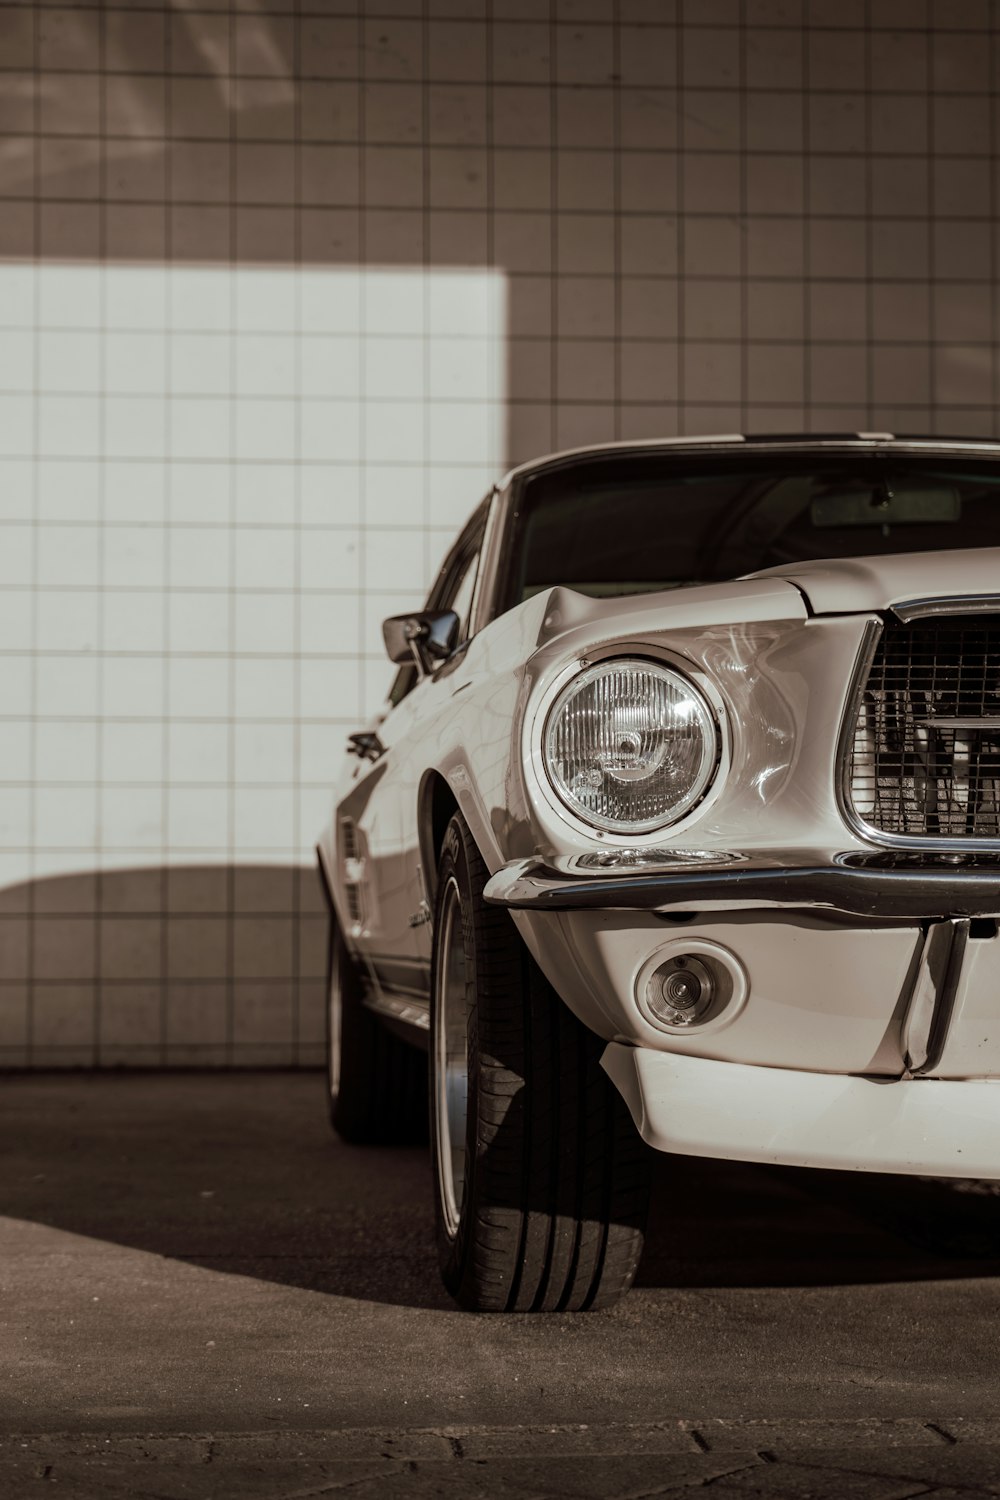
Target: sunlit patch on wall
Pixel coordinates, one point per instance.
(215, 483)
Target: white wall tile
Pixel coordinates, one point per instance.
(70, 619)
(265, 622)
(65, 751)
(263, 689)
(16, 746)
(198, 491)
(197, 820)
(133, 556)
(197, 753)
(134, 427)
(265, 557)
(132, 753)
(132, 687)
(199, 556)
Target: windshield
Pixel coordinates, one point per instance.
(638, 524)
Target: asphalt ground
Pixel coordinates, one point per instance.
(205, 1294)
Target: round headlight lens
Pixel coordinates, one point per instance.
(630, 745)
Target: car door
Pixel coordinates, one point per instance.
(377, 824)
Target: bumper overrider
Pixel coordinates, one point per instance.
(913, 1122)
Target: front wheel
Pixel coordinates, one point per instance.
(542, 1181)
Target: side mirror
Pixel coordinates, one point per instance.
(426, 638)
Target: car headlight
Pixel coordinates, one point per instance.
(630, 745)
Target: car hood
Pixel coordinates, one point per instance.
(853, 585)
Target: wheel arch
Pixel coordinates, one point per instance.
(436, 806)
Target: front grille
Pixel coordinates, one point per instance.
(925, 763)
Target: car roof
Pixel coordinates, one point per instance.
(775, 441)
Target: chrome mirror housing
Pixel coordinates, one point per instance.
(426, 638)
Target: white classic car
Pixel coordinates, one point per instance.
(681, 826)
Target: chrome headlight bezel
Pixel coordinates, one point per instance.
(569, 682)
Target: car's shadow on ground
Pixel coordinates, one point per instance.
(735, 1224)
(239, 1173)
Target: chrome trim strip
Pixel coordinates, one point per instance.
(484, 592)
(786, 881)
(965, 604)
(410, 1011)
(845, 802)
(986, 722)
(870, 638)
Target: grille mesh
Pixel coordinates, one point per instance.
(926, 756)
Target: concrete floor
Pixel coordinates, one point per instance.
(191, 1261)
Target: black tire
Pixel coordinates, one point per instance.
(556, 1177)
(376, 1084)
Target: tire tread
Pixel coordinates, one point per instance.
(560, 1177)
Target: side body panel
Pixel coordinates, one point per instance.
(370, 870)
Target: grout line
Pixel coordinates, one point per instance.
(994, 247)
(554, 210)
(807, 233)
(232, 563)
(425, 288)
(297, 653)
(870, 361)
(35, 595)
(616, 210)
(363, 494)
(102, 406)
(932, 402)
(744, 276)
(680, 426)
(166, 623)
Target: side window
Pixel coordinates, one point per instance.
(453, 589)
(463, 586)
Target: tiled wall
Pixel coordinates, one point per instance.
(283, 286)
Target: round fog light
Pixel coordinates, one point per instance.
(691, 983)
(681, 992)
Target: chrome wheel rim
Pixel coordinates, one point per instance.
(334, 1020)
(451, 1058)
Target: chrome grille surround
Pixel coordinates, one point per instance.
(920, 755)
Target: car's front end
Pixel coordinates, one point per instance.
(684, 825)
(763, 856)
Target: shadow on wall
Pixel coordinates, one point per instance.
(176, 966)
(662, 197)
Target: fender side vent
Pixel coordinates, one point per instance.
(352, 863)
(348, 839)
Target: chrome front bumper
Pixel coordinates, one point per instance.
(699, 1107)
(880, 885)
